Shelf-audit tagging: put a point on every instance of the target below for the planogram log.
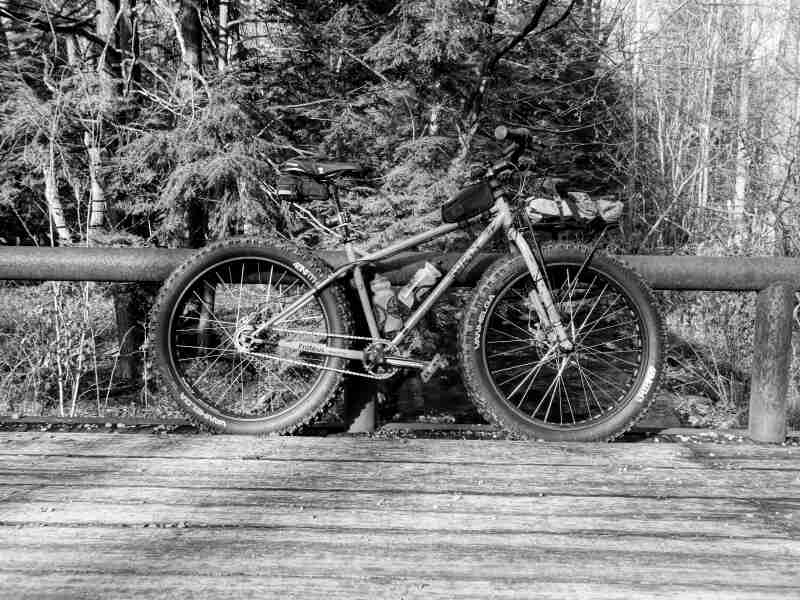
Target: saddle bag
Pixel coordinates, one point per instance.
(470, 201)
(299, 187)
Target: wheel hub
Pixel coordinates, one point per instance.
(243, 339)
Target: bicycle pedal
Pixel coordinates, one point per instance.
(436, 363)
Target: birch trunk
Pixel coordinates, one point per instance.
(742, 117)
(709, 81)
(73, 56)
(97, 201)
(51, 194)
(222, 38)
(104, 26)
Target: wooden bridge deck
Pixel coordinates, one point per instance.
(146, 516)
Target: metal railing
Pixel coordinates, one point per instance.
(775, 279)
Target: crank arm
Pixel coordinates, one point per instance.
(403, 362)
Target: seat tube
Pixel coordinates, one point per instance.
(363, 296)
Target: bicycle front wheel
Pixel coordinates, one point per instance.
(519, 378)
(213, 301)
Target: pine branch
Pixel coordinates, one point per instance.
(491, 64)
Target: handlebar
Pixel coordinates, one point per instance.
(514, 134)
(519, 138)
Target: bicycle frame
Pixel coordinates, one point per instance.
(541, 299)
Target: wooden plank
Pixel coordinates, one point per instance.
(57, 586)
(741, 522)
(344, 518)
(477, 501)
(669, 456)
(459, 556)
(335, 449)
(393, 477)
(141, 505)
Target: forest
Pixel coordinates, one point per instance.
(163, 123)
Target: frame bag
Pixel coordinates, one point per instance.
(470, 201)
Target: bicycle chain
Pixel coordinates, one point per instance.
(333, 335)
(323, 367)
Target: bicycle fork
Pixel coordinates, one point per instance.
(540, 298)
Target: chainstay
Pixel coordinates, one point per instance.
(312, 365)
(333, 335)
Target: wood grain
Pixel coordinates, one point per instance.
(145, 516)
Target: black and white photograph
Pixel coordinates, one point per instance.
(399, 299)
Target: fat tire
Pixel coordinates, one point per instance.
(274, 248)
(478, 382)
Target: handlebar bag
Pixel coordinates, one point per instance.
(468, 202)
(577, 208)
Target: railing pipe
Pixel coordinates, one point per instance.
(154, 264)
(774, 278)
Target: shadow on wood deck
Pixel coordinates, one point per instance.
(115, 515)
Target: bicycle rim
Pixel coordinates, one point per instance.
(231, 298)
(566, 390)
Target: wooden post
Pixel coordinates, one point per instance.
(771, 357)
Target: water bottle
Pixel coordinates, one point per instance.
(423, 279)
(384, 299)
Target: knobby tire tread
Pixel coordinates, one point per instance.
(317, 266)
(502, 269)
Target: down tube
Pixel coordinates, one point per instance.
(448, 279)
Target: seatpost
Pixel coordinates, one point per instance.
(342, 215)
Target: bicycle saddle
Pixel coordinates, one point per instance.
(322, 169)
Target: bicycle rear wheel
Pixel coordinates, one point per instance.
(517, 375)
(222, 294)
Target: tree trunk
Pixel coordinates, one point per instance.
(128, 39)
(113, 24)
(192, 34)
(709, 81)
(104, 25)
(742, 118)
(97, 201)
(130, 311)
(636, 72)
(222, 37)
(51, 193)
(73, 51)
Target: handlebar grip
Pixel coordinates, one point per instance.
(521, 134)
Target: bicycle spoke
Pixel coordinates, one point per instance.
(605, 380)
(526, 346)
(599, 356)
(244, 295)
(567, 388)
